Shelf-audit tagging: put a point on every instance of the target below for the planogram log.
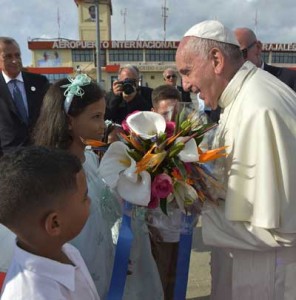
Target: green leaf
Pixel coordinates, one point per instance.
(161, 138)
(199, 140)
(163, 206)
(176, 149)
(180, 166)
(135, 155)
(182, 115)
(185, 124)
(177, 124)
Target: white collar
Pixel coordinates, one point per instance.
(19, 77)
(48, 267)
(235, 84)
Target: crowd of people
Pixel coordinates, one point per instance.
(59, 221)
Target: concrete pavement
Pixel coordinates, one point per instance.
(199, 282)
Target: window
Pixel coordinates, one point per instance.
(160, 55)
(283, 57)
(265, 56)
(79, 55)
(125, 55)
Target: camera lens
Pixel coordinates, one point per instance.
(128, 88)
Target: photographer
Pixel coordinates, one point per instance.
(126, 95)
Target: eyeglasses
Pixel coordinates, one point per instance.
(245, 50)
(171, 76)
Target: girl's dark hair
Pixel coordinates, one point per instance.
(52, 128)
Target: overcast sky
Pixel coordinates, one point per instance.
(24, 19)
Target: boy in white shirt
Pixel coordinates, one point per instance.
(44, 202)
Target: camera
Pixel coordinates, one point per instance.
(128, 86)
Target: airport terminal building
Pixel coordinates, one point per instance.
(61, 57)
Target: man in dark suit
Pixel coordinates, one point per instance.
(285, 75)
(252, 49)
(170, 77)
(21, 95)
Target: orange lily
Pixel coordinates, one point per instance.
(93, 143)
(211, 154)
(173, 138)
(151, 160)
(132, 140)
(176, 174)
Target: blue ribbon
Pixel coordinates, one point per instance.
(184, 251)
(122, 255)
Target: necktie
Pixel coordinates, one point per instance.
(18, 101)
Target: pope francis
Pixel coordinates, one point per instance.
(253, 230)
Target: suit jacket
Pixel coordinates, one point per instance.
(285, 75)
(13, 131)
(184, 95)
(146, 92)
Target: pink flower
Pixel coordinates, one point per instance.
(124, 124)
(162, 186)
(188, 167)
(170, 128)
(154, 202)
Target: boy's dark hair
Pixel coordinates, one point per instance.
(52, 128)
(32, 178)
(164, 92)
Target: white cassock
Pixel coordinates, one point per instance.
(254, 230)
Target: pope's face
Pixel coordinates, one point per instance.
(198, 75)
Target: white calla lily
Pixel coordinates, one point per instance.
(184, 193)
(146, 124)
(189, 153)
(138, 192)
(119, 172)
(114, 162)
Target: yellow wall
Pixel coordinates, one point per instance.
(87, 25)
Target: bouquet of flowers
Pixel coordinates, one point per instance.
(158, 162)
